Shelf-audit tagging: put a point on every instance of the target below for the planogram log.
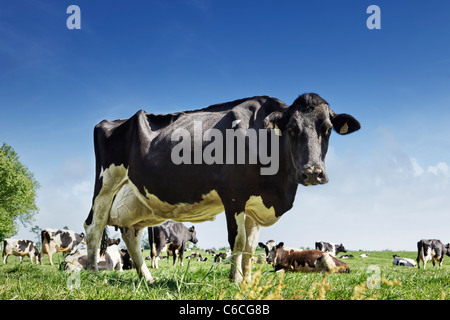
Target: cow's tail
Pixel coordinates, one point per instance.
(153, 243)
(104, 242)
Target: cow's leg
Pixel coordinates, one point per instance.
(94, 226)
(132, 239)
(237, 239)
(5, 257)
(180, 253)
(252, 230)
(50, 257)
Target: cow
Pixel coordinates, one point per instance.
(21, 248)
(346, 256)
(245, 158)
(267, 247)
(332, 248)
(312, 261)
(404, 262)
(279, 253)
(364, 255)
(127, 263)
(431, 250)
(110, 260)
(175, 235)
(222, 256)
(56, 240)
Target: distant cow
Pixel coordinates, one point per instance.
(364, 255)
(280, 252)
(404, 262)
(111, 260)
(21, 248)
(312, 261)
(174, 234)
(330, 247)
(346, 256)
(222, 256)
(431, 250)
(127, 262)
(267, 247)
(55, 240)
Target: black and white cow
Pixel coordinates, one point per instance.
(110, 260)
(403, 262)
(174, 234)
(431, 250)
(267, 247)
(21, 248)
(332, 248)
(245, 157)
(56, 240)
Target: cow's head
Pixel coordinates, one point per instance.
(307, 123)
(340, 248)
(274, 252)
(267, 247)
(193, 235)
(447, 249)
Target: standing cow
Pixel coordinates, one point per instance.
(172, 234)
(21, 248)
(245, 157)
(56, 240)
(431, 250)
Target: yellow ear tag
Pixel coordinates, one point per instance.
(277, 131)
(344, 129)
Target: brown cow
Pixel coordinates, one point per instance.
(312, 261)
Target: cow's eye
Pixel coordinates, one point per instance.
(326, 128)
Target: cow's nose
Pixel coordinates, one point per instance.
(312, 176)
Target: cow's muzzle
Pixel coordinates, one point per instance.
(312, 175)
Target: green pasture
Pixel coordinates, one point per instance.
(370, 278)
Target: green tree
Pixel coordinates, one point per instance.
(17, 193)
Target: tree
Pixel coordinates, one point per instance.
(17, 193)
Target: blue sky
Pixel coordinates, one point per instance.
(389, 183)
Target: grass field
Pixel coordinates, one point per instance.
(371, 278)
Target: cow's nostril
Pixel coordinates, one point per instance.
(304, 176)
(321, 175)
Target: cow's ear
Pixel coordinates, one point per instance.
(191, 229)
(344, 123)
(117, 241)
(261, 245)
(280, 245)
(276, 120)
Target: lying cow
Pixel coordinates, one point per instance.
(431, 250)
(280, 252)
(21, 248)
(404, 262)
(312, 261)
(332, 248)
(174, 234)
(111, 260)
(55, 240)
(267, 247)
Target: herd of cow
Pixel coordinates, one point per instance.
(173, 237)
(146, 176)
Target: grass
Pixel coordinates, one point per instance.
(208, 281)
